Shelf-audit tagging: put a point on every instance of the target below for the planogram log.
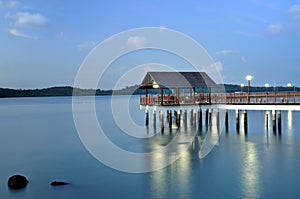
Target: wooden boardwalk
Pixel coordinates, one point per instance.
(256, 98)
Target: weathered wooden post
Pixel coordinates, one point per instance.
(195, 120)
(226, 121)
(274, 121)
(206, 117)
(192, 117)
(267, 121)
(218, 120)
(245, 122)
(210, 116)
(161, 118)
(154, 119)
(184, 118)
(237, 120)
(279, 122)
(147, 118)
(200, 119)
(169, 113)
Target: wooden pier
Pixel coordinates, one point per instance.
(212, 105)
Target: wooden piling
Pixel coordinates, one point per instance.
(169, 112)
(192, 117)
(237, 121)
(195, 120)
(200, 119)
(147, 118)
(226, 121)
(218, 120)
(279, 122)
(206, 117)
(267, 121)
(274, 121)
(184, 118)
(210, 116)
(154, 119)
(245, 122)
(161, 118)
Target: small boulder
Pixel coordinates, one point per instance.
(17, 182)
(59, 183)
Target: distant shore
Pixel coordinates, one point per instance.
(128, 90)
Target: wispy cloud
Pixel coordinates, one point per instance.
(275, 28)
(136, 41)
(13, 4)
(16, 33)
(294, 11)
(243, 59)
(225, 52)
(86, 46)
(27, 20)
(231, 52)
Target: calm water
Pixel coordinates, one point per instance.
(38, 138)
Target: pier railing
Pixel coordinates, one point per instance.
(223, 98)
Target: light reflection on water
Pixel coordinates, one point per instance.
(254, 165)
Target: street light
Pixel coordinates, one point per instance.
(267, 86)
(242, 86)
(249, 78)
(289, 85)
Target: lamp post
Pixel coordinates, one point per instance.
(242, 86)
(289, 85)
(267, 86)
(249, 78)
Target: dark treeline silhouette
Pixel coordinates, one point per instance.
(128, 90)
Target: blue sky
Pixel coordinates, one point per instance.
(43, 43)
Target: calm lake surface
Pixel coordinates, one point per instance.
(38, 139)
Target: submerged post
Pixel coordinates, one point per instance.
(226, 121)
(161, 118)
(147, 118)
(267, 120)
(245, 122)
(192, 117)
(279, 122)
(206, 117)
(218, 120)
(274, 121)
(154, 119)
(200, 119)
(237, 120)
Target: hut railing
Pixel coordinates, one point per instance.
(224, 98)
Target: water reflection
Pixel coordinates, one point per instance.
(251, 172)
(176, 176)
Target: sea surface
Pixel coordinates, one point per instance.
(39, 139)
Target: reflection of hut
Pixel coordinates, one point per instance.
(184, 85)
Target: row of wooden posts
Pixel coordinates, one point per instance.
(276, 119)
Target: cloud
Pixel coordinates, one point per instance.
(136, 41)
(294, 11)
(275, 28)
(86, 46)
(1, 4)
(225, 52)
(27, 20)
(13, 4)
(243, 59)
(16, 33)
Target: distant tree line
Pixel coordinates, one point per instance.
(128, 90)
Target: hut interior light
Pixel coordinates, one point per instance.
(155, 85)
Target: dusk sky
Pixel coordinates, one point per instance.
(43, 43)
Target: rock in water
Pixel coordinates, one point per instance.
(59, 183)
(17, 182)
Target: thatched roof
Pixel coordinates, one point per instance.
(177, 80)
